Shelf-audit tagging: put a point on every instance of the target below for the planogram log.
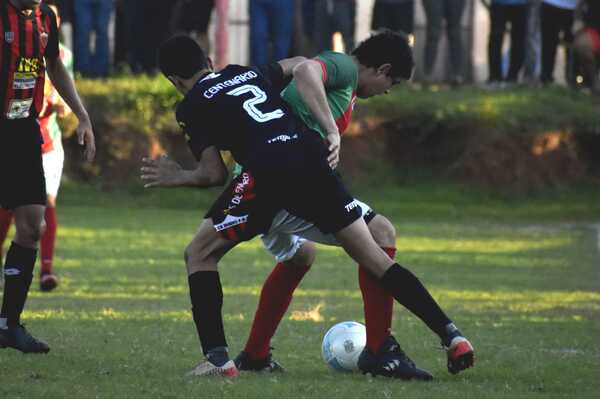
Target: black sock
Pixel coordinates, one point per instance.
(18, 273)
(409, 292)
(207, 299)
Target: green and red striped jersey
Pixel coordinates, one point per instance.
(25, 40)
(340, 77)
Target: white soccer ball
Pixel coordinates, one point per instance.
(343, 344)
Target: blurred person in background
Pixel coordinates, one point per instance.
(397, 15)
(192, 17)
(533, 44)
(503, 12)
(556, 18)
(587, 44)
(271, 30)
(52, 158)
(323, 18)
(147, 25)
(92, 16)
(436, 11)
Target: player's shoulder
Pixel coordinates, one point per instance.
(334, 56)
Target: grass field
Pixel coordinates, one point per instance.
(523, 284)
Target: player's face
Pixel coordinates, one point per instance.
(27, 4)
(374, 82)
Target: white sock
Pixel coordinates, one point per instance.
(3, 323)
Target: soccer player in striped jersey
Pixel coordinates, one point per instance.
(53, 160)
(239, 109)
(341, 78)
(28, 49)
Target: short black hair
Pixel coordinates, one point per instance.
(181, 56)
(387, 47)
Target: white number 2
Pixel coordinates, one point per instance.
(250, 104)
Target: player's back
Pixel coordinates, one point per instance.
(235, 109)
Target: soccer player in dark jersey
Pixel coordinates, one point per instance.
(237, 109)
(28, 49)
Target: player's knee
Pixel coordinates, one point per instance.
(198, 258)
(383, 231)
(29, 234)
(305, 256)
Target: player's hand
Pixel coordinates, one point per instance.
(333, 141)
(85, 137)
(160, 172)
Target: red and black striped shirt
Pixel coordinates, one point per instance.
(24, 42)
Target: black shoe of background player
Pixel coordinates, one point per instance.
(48, 282)
(245, 363)
(391, 361)
(20, 339)
(460, 352)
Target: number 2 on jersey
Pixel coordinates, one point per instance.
(258, 97)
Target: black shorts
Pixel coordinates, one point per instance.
(291, 175)
(21, 170)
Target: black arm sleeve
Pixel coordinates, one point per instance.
(195, 132)
(273, 73)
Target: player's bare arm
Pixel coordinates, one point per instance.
(165, 172)
(309, 81)
(288, 64)
(63, 82)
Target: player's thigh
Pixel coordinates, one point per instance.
(206, 248)
(289, 248)
(357, 241)
(29, 224)
(383, 231)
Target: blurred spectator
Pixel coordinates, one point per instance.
(397, 15)
(92, 16)
(271, 30)
(533, 46)
(192, 17)
(502, 12)
(327, 17)
(587, 43)
(556, 17)
(148, 26)
(436, 11)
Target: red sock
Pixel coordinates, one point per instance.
(378, 305)
(5, 221)
(275, 298)
(48, 240)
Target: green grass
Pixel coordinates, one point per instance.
(524, 288)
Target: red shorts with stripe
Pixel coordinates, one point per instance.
(595, 38)
(239, 214)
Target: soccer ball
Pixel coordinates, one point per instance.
(343, 344)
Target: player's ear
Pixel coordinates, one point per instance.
(209, 62)
(384, 69)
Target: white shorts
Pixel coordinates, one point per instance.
(288, 233)
(53, 167)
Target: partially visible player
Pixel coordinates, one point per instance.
(28, 49)
(342, 78)
(238, 110)
(587, 44)
(53, 159)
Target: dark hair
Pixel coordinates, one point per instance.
(387, 47)
(181, 56)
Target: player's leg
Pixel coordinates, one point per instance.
(24, 191)
(6, 217)
(407, 290)
(206, 294)
(295, 257)
(53, 166)
(378, 303)
(18, 274)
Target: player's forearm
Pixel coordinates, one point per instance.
(309, 82)
(201, 178)
(288, 64)
(65, 86)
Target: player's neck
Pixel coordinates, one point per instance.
(188, 84)
(24, 10)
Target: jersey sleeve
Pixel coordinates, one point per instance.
(196, 133)
(52, 48)
(339, 70)
(273, 73)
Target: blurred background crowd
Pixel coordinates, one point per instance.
(495, 43)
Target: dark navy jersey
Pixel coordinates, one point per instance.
(238, 109)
